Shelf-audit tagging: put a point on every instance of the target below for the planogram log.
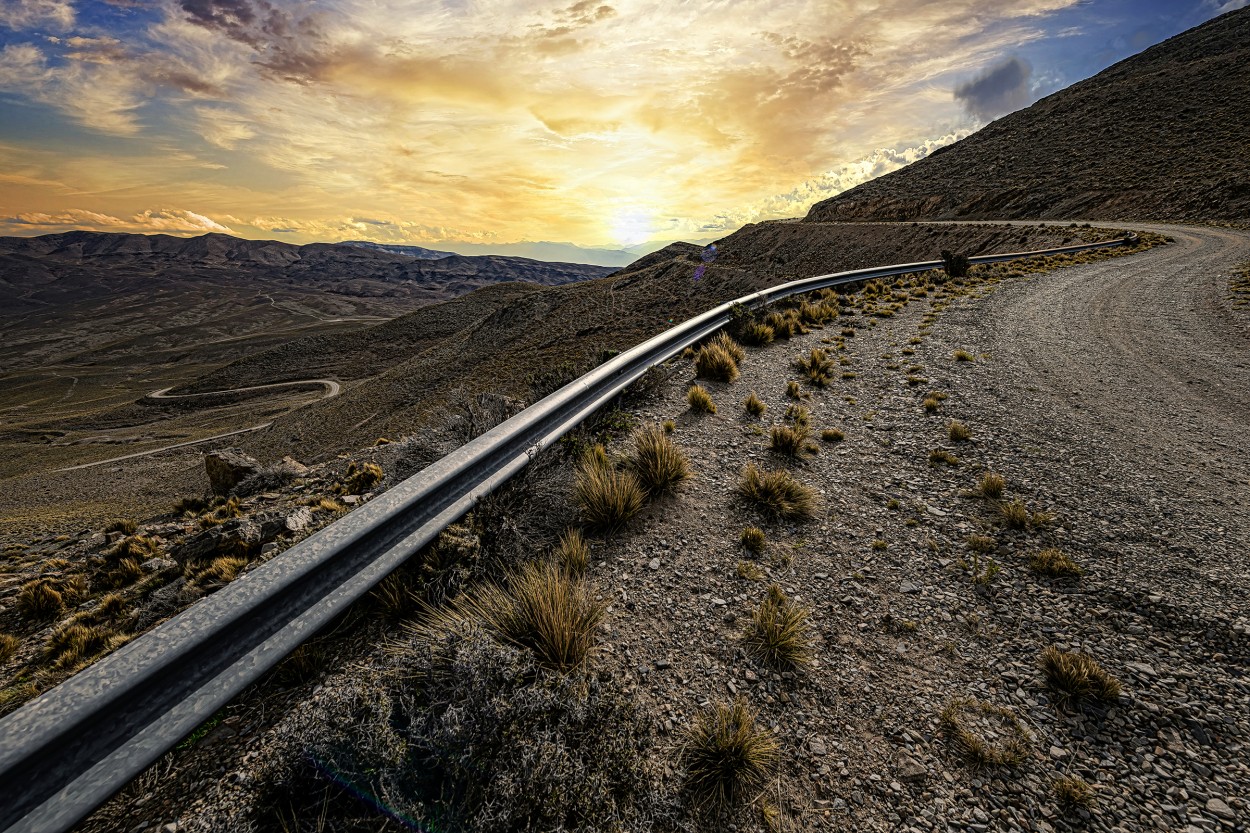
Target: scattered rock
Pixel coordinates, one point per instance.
(227, 468)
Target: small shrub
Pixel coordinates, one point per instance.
(832, 435)
(8, 647)
(992, 485)
(779, 633)
(776, 493)
(572, 553)
(1072, 791)
(1075, 677)
(958, 432)
(791, 442)
(700, 400)
(754, 405)
(728, 759)
(40, 599)
(1055, 563)
(962, 356)
(752, 538)
(658, 463)
(716, 363)
(607, 497)
(984, 734)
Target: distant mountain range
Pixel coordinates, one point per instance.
(551, 252)
(1161, 135)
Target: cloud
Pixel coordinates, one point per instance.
(27, 14)
(163, 220)
(1001, 89)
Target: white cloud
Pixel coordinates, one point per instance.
(162, 220)
(27, 14)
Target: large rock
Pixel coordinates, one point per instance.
(227, 467)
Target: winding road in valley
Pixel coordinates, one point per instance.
(332, 387)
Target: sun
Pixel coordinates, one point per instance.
(631, 226)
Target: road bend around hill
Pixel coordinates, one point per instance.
(1111, 397)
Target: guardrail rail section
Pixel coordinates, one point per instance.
(67, 751)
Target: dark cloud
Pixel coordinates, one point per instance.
(1002, 89)
(289, 46)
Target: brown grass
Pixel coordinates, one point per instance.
(573, 553)
(752, 538)
(776, 493)
(1072, 791)
(1055, 564)
(716, 363)
(940, 455)
(361, 478)
(757, 334)
(991, 485)
(8, 647)
(700, 400)
(607, 497)
(726, 343)
(76, 644)
(779, 633)
(728, 758)
(832, 435)
(754, 405)
(958, 432)
(40, 599)
(790, 441)
(984, 734)
(817, 367)
(658, 463)
(1014, 515)
(1075, 677)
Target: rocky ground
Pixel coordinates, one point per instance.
(1122, 465)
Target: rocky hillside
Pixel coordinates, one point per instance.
(1160, 135)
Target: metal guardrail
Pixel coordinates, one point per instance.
(67, 751)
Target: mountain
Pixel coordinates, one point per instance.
(1160, 135)
(412, 251)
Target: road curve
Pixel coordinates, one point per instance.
(332, 389)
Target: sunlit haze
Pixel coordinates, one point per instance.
(605, 124)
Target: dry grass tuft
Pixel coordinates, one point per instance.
(1074, 677)
(361, 478)
(541, 608)
(982, 543)
(716, 363)
(607, 497)
(754, 405)
(752, 538)
(1055, 563)
(931, 404)
(750, 571)
(941, 455)
(40, 599)
(700, 400)
(657, 462)
(779, 633)
(984, 734)
(76, 644)
(777, 493)
(1072, 791)
(794, 391)
(1014, 515)
(726, 343)
(757, 334)
(573, 553)
(958, 432)
(817, 367)
(394, 598)
(729, 760)
(832, 435)
(669, 426)
(962, 356)
(991, 486)
(790, 441)
(122, 525)
(223, 570)
(8, 647)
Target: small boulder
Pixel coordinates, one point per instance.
(227, 467)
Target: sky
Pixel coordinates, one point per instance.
(445, 123)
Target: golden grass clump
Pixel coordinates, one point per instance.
(962, 356)
(222, 570)
(657, 462)
(716, 363)
(75, 644)
(700, 400)
(1055, 564)
(958, 432)
(776, 493)
(122, 525)
(757, 334)
(361, 478)
(669, 426)
(572, 553)
(984, 734)
(606, 496)
(931, 404)
(799, 415)
(832, 435)
(726, 343)
(793, 390)
(779, 632)
(40, 599)
(1014, 515)
(754, 405)
(790, 441)
(750, 571)
(1073, 791)
(8, 646)
(728, 758)
(817, 367)
(1075, 677)
(541, 608)
(941, 455)
(752, 538)
(982, 543)
(991, 486)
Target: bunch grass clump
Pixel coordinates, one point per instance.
(779, 632)
(1055, 564)
(75, 644)
(700, 400)
(958, 432)
(572, 553)
(728, 758)
(991, 486)
(657, 462)
(361, 478)
(777, 493)
(790, 441)
(817, 367)
(757, 334)
(606, 496)
(1075, 677)
(754, 405)
(752, 538)
(1073, 791)
(716, 363)
(40, 599)
(985, 734)
(725, 342)
(832, 435)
